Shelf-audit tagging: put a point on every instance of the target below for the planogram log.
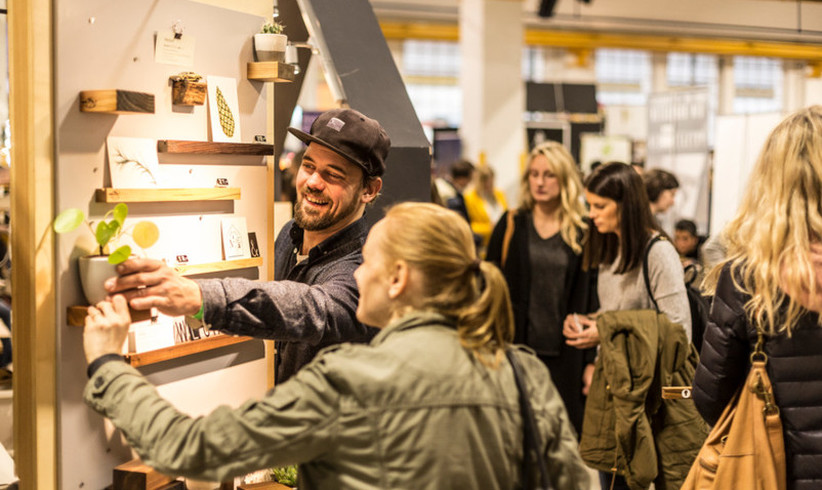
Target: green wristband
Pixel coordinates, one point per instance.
(199, 314)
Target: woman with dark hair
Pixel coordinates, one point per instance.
(542, 265)
(616, 247)
(661, 187)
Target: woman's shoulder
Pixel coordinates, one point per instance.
(661, 249)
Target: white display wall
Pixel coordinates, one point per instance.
(109, 44)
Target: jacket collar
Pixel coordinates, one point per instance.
(413, 319)
(349, 238)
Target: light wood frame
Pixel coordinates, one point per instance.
(31, 108)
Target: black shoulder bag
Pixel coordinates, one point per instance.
(531, 441)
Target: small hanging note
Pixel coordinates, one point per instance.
(173, 47)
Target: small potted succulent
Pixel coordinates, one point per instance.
(95, 269)
(286, 476)
(270, 42)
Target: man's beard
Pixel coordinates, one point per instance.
(322, 220)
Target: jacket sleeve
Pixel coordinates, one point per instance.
(668, 284)
(295, 422)
(494, 251)
(723, 362)
(323, 312)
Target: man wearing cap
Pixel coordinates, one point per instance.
(313, 301)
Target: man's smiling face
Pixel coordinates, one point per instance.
(329, 190)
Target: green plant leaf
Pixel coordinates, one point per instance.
(120, 255)
(145, 234)
(120, 213)
(105, 232)
(68, 220)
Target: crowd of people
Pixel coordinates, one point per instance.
(394, 345)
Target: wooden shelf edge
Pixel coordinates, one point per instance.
(184, 349)
(110, 195)
(270, 71)
(76, 315)
(224, 265)
(214, 148)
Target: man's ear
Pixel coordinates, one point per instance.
(398, 279)
(371, 190)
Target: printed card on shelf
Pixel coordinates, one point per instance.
(223, 109)
(235, 238)
(133, 162)
(151, 335)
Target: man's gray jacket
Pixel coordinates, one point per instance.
(309, 306)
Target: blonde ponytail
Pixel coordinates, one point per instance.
(439, 244)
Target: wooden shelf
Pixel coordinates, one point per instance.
(116, 102)
(76, 315)
(165, 195)
(213, 148)
(270, 71)
(184, 349)
(224, 265)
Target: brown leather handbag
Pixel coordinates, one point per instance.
(745, 448)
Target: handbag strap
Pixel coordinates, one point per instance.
(532, 442)
(506, 238)
(645, 267)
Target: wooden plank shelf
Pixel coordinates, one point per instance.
(184, 349)
(224, 265)
(116, 102)
(76, 315)
(214, 148)
(110, 195)
(270, 71)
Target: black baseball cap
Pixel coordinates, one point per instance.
(352, 135)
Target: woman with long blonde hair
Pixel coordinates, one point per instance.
(430, 403)
(770, 282)
(538, 247)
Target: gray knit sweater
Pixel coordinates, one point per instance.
(627, 291)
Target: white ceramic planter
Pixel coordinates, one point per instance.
(94, 270)
(270, 47)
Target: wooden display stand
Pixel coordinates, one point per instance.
(270, 71)
(268, 485)
(135, 475)
(116, 102)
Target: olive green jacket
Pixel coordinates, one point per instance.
(413, 409)
(627, 425)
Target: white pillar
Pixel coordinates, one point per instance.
(659, 72)
(793, 85)
(491, 43)
(727, 88)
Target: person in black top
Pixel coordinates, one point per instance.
(538, 248)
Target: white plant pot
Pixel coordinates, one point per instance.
(94, 270)
(270, 47)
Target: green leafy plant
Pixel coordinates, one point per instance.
(287, 475)
(144, 233)
(274, 27)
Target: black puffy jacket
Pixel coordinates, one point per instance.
(794, 366)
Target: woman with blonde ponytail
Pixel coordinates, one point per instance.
(771, 281)
(430, 403)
